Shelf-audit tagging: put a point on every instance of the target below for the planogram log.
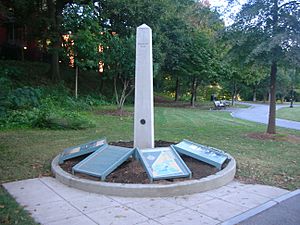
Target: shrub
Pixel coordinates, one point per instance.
(47, 107)
(52, 116)
(23, 71)
(5, 88)
(96, 100)
(65, 120)
(20, 118)
(24, 98)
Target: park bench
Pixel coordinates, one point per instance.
(220, 104)
(225, 102)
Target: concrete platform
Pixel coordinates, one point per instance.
(52, 203)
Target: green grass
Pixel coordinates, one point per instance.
(27, 153)
(289, 113)
(11, 212)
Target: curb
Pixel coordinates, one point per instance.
(217, 180)
(252, 212)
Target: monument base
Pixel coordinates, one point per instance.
(192, 186)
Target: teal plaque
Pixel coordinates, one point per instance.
(163, 163)
(80, 150)
(103, 161)
(203, 153)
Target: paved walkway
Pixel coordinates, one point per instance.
(260, 113)
(285, 212)
(52, 203)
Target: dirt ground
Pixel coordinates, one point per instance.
(275, 137)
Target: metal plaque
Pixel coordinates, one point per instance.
(79, 150)
(163, 163)
(203, 153)
(103, 161)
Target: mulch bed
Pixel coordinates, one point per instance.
(132, 172)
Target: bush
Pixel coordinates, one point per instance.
(46, 118)
(65, 120)
(22, 70)
(51, 115)
(46, 107)
(24, 98)
(5, 88)
(20, 118)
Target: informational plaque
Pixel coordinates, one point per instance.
(103, 161)
(203, 153)
(163, 163)
(80, 150)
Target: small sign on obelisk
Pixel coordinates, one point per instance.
(143, 103)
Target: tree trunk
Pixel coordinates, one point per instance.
(116, 91)
(177, 89)
(272, 110)
(55, 73)
(194, 91)
(233, 92)
(292, 97)
(254, 94)
(76, 82)
(101, 84)
(123, 96)
(55, 65)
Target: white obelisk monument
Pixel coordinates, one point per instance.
(143, 101)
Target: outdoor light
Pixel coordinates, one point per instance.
(101, 67)
(25, 47)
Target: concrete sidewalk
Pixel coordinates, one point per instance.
(260, 113)
(51, 202)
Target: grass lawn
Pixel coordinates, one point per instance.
(27, 153)
(11, 212)
(289, 113)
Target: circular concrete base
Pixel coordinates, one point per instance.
(146, 190)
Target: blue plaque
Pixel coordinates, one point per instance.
(103, 161)
(163, 163)
(80, 150)
(203, 153)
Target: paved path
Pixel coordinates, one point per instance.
(285, 212)
(52, 203)
(260, 113)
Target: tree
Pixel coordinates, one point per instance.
(197, 63)
(84, 38)
(276, 23)
(119, 60)
(176, 39)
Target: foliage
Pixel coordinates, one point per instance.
(47, 107)
(25, 98)
(119, 66)
(268, 32)
(23, 72)
(5, 88)
(81, 22)
(54, 118)
(84, 42)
